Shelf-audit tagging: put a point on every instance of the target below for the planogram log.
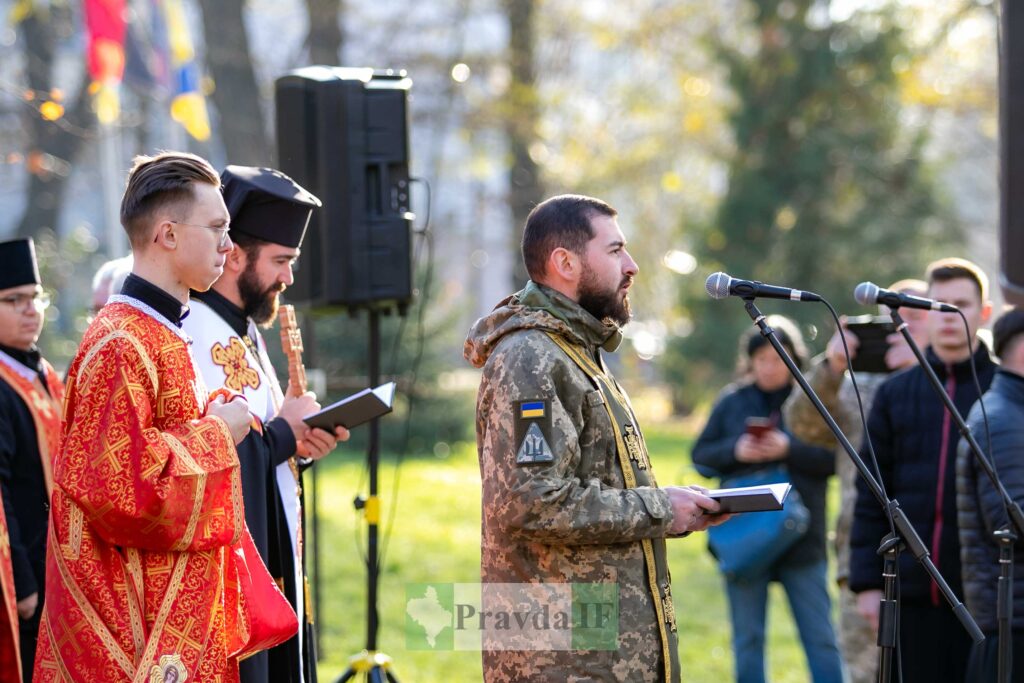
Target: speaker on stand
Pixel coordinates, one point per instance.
(342, 133)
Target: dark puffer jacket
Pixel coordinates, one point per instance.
(981, 509)
(915, 441)
(714, 455)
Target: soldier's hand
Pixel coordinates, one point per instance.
(868, 605)
(235, 414)
(689, 505)
(320, 442)
(294, 408)
(27, 606)
(899, 355)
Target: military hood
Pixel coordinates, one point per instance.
(537, 307)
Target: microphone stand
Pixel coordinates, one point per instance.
(1004, 537)
(904, 530)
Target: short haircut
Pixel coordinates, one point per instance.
(1008, 332)
(156, 182)
(948, 269)
(910, 286)
(562, 221)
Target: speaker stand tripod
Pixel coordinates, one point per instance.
(371, 665)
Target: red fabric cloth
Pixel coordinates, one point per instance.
(146, 515)
(10, 655)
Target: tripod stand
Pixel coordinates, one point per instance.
(903, 531)
(373, 666)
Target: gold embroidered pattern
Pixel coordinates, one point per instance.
(636, 453)
(73, 547)
(669, 607)
(236, 367)
(96, 624)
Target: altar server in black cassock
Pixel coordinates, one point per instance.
(30, 411)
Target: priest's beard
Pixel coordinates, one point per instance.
(258, 302)
(603, 303)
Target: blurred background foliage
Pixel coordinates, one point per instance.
(811, 143)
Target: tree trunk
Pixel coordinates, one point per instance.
(52, 145)
(324, 39)
(521, 118)
(236, 95)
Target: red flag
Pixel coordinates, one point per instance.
(105, 26)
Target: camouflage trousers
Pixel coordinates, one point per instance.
(857, 640)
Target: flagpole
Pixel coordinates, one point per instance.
(112, 179)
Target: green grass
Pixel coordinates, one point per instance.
(436, 538)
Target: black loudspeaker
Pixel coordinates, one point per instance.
(1011, 151)
(343, 134)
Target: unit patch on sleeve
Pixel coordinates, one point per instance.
(238, 373)
(533, 432)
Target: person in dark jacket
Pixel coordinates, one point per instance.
(915, 441)
(981, 510)
(30, 408)
(725, 449)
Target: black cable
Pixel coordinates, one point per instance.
(898, 655)
(860, 407)
(977, 386)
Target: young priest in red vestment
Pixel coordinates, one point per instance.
(30, 396)
(146, 574)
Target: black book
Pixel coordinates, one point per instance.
(354, 410)
(752, 498)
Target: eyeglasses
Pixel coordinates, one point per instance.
(223, 230)
(20, 303)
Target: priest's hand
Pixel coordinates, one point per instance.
(320, 442)
(27, 606)
(235, 414)
(294, 408)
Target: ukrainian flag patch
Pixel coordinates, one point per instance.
(531, 410)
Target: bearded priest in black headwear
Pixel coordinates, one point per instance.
(269, 214)
(30, 412)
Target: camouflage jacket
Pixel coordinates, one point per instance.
(557, 509)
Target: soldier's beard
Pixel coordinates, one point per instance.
(603, 303)
(258, 302)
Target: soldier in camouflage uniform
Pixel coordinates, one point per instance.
(857, 637)
(568, 491)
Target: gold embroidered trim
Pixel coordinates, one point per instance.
(63, 670)
(139, 348)
(179, 450)
(97, 625)
(599, 377)
(173, 586)
(133, 589)
(76, 521)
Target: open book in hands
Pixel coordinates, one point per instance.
(354, 410)
(752, 498)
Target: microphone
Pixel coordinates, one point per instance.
(868, 293)
(720, 285)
